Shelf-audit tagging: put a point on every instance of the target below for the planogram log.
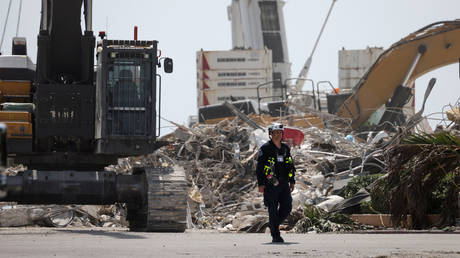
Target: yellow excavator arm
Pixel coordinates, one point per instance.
(429, 48)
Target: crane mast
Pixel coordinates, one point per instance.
(306, 67)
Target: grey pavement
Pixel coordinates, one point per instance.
(83, 242)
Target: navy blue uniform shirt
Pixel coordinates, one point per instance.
(269, 158)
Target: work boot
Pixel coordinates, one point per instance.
(277, 239)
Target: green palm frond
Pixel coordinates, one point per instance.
(443, 138)
(423, 177)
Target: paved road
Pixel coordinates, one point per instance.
(75, 242)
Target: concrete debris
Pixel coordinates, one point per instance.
(12, 215)
(220, 160)
(316, 220)
(454, 115)
(330, 202)
(20, 215)
(352, 205)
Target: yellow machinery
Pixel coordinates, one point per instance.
(18, 123)
(17, 73)
(429, 48)
(19, 128)
(422, 51)
(14, 91)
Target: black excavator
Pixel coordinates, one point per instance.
(86, 118)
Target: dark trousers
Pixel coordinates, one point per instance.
(279, 203)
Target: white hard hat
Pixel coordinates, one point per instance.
(275, 127)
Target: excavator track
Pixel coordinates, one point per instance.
(164, 206)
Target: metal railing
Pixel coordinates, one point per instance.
(304, 79)
(258, 93)
(318, 92)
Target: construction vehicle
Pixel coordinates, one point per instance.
(387, 80)
(83, 120)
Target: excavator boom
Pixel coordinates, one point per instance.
(427, 49)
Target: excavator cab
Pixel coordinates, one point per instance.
(126, 94)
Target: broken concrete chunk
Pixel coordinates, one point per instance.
(330, 202)
(454, 115)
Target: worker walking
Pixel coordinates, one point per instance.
(276, 178)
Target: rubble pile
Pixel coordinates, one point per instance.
(220, 163)
(337, 173)
(13, 215)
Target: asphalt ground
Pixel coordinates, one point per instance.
(103, 242)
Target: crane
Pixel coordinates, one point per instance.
(306, 67)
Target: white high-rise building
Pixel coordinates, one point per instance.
(259, 24)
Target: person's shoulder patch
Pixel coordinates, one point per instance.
(261, 153)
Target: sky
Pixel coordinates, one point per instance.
(184, 26)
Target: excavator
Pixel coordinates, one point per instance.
(387, 80)
(74, 119)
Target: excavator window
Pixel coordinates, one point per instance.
(129, 77)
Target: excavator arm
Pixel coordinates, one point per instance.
(427, 49)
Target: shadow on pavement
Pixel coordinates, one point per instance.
(119, 235)
(285, 243)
